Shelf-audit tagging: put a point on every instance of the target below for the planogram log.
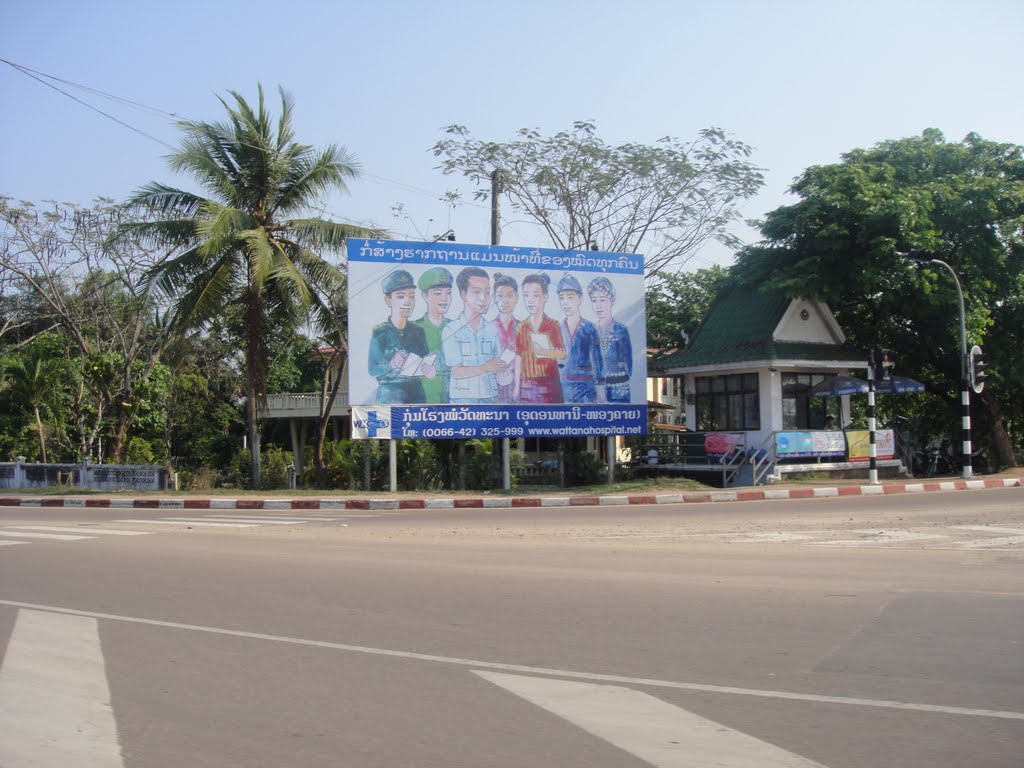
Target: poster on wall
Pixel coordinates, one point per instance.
(860, 444)
(817, 444)
(448, 340)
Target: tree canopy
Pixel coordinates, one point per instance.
(664, 200)
(963, 201)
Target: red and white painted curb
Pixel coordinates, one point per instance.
(698, 497)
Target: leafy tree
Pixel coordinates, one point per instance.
(246, 243)
(38, 382)
(677, 302)
(665, 201)
(964, 201)
(61, 271)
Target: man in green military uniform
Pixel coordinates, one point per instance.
(393, 342)
(436, 286)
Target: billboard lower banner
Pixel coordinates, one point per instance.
(386, 422)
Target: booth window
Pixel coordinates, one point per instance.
(799, 409)
(728, 402)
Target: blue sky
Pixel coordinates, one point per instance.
(802, 82)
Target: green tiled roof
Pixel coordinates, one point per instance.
(738, 328)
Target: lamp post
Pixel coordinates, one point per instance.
(925, 257)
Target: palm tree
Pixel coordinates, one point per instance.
(37, 380)
(245, 243)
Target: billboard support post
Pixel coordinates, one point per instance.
(611, 459)
(393, 464)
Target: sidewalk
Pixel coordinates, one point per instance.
(789, 490)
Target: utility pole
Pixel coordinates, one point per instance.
(505, 449)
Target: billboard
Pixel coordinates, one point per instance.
(459, 341)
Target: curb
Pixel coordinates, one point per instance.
(701, 497)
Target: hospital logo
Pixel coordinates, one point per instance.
(374, 423)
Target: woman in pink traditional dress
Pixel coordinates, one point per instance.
(539, 345)
(506, 296)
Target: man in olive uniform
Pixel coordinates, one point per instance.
(394, 340)
(436, 287)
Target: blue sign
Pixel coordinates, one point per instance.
(455, 255)
(468, 421)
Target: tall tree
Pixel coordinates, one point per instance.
(677, 302)
(665, 201)
(964, 201)
(246, 242)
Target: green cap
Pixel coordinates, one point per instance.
(397, 281)
(432, 278)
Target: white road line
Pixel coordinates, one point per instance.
(267, 517)
(54, 536)
(101, 531)
(186, 521)
(54, 697)
(12, 543)
(648, 728)
(1001, 541)
(990, 529)
(255, 520)
(873, 537)
(758, 538)
(522, 668)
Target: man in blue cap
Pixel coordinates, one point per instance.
(583, 344)
(393, 342)
(436, 286)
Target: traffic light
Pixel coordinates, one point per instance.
(882, 362)
(979, 364)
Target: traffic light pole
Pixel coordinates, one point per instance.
(965, 376)
(872, 446)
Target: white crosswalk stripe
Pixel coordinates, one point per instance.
(35, 535)
(89, 531)
(949, 537)
(188, 521)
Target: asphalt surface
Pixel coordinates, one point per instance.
(843, 632)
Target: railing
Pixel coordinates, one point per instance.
(764, 459)
(687, 452)
(303, 404)
(108, 477)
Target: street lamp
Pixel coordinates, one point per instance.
(926, 257)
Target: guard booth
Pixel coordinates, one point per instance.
(757, 370)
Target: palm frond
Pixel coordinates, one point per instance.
(309, 175)
(165, 201)
(220, 226)
(207, 294)
(323, 235)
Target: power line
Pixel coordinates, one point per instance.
(29, 73)
(128, 102)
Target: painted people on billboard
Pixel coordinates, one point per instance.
(436, 288)
(539, 345)
(399, 357)
(506, 296)
(583, 346)
(472, 351)
(616, 349)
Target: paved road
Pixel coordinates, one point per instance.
(842, 633)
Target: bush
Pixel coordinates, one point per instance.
(138, 451)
